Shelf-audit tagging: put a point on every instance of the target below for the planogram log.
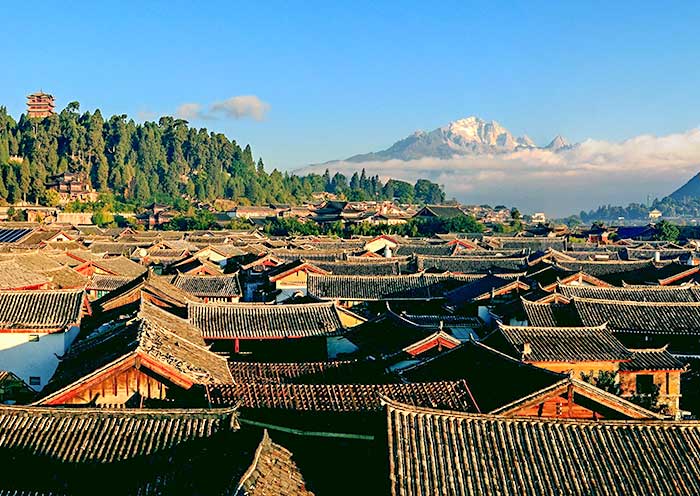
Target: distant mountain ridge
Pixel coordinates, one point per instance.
(691, 189)
(469, 136)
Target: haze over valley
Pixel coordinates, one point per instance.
(480, 161)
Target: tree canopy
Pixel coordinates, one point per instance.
(163, 161)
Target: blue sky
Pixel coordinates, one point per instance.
(351, 78)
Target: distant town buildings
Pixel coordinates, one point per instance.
(539, 218)
(71, 186)
(40, 105)
(155, 215)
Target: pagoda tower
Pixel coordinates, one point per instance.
(40, 105)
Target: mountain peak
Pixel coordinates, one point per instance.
(470, 135)
(558, 143)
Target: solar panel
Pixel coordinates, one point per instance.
(13, 235)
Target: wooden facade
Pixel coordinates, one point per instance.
(131, 382)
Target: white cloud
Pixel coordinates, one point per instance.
(189, 111)
(145, 115)
(584, 177)
(238, 107)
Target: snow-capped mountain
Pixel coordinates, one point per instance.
(558, 143)
(470, 136)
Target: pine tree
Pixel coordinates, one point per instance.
(13, 192)
(3, 189)
(25, 178)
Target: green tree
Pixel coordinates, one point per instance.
(51, 198)
(428, 192)
(665, 231)
(103, 218)
(605, 380)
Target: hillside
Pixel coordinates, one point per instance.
(165, 161)
(689, 190)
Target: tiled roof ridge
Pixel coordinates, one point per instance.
(145, 320)
(636, 303)
(223, 304)
(487, 348)
(265, 443)
(407, 409)
(123, 412)
(47, 291)
(600, 327)
(584, 385)
(615, 262)
(198, 276)
(640, 288)
(393, 276)
(649, 350)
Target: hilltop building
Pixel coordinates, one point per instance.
(71, 187)
(40, 105)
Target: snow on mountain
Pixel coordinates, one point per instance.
(470, 136)
(558, 143)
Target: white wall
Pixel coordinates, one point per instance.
(26, 358)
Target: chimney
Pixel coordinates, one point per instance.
(527, 349)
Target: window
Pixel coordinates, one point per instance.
(645, 384)
(35, 381)
(33, 338)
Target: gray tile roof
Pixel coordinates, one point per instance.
(671, 294)
(451, 395)
(640, 317)
(652, 359)
(40, 310)
(375, 288)
(105, 436)
(209, 286)
(438, 452)
(563, 344)
(468, 265)
(260, 321)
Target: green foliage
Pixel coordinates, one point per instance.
(512, 227)
(122, 221)
(605, 380)
(202, 220)
(51, 198)
(291, 227)
(427, 192)
(414, 227)
(240, 224)
(665, 231)
(16, 215)
(163, 161)
(103, 218)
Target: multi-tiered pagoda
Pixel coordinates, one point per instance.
(40, 105)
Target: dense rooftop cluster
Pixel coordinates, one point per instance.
(239, 363)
